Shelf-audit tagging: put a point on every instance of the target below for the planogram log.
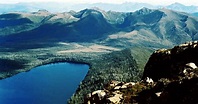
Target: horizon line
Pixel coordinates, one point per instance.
(94, 3)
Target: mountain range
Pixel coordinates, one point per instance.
(148, 27)
(115, 44)
(66, 7)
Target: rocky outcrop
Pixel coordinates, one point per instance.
(170, 77)
(170, 63)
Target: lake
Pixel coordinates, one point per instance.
(47, 84)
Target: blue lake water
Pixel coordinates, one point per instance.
(47, 84)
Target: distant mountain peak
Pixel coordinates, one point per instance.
(96, 8)
(182, 8)
(175, 27)
(87, 12)
(124, 7)
(178, 4)
(43, 10)
(144, 11)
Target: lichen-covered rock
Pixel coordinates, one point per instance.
(191, 65)
(96, 96)
(115, 99)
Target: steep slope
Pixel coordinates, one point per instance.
(155, 28)
(172, 60)
(83, 26)
(146, 27)
(177, 27)
(92, 25)
(170, 76)
(17, 22)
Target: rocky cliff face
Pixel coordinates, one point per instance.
(170, 77)
(169, 63)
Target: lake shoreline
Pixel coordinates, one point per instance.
(101, 66)
(59, 80)
(45, 62)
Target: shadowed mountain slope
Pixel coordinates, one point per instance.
(170, 77)
(147, 27)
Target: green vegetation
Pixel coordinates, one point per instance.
(115, 45)
(113, 66)
(104, 66)
(141, 55)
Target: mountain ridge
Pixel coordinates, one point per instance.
(95, 36)
(124, 7)
(93, 24)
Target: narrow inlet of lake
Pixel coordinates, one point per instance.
(47, 84)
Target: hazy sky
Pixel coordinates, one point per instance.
(155, 2)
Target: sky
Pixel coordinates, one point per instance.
(154, 2)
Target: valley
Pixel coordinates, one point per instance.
(116, 45)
